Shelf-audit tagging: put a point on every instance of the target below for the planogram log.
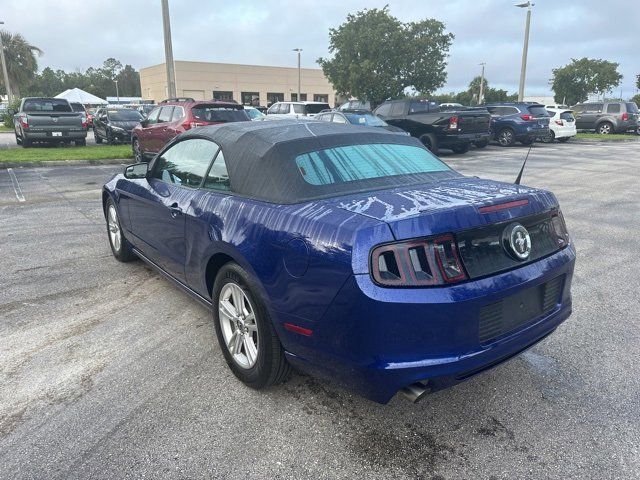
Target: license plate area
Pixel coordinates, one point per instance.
(519, 309)
(56, 134)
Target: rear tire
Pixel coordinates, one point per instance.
(605, 128)
(549, 138)
(97, 137)
(120, 247)
(430, 141)
(265, 363)
(460, 149)
(506, 137)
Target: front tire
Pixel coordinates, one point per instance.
(244, 329)
(120, 247)
(137, 150)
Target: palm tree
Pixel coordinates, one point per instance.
(22, 64)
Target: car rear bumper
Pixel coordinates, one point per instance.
(564, 131)
(462, 138)
(49, 136)
(377, 340)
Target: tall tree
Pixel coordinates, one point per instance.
(574, 82)
(22, 64)
(129, 82)
(376, 57)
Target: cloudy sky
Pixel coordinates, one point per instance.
(76, 34)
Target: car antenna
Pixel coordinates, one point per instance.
(517, 182)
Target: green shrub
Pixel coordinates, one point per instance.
(12, 107)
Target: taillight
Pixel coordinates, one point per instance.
(427, 262)
(85, 123)
(526, 117)
(189, 125)
(453, 123)
(559, 122)
(560, 229)
(625, 117)
(24, 122)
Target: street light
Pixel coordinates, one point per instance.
(117, 94)
(4, 70)
(298, 50)
(481, 84)
(525, 48)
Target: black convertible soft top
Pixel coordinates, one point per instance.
(260, 156)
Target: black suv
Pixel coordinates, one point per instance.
(606, 117)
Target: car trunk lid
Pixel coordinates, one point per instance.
(448, 206)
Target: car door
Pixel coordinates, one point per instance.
(159, 204)
(146, 129)
(589, 118)
(159, 132)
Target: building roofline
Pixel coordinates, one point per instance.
(231, 65)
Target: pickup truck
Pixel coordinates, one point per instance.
(438, 128)
(49, 120)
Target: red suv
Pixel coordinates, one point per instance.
(172, 117)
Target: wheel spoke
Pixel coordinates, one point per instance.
(228, 310)
(238, 300)
(232, 342)
(250, 350)
(238, 342)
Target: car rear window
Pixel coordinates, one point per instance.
(365, 119)
(124, 116)
(632, 107)
(568, 116)
(315, 107)
(538, 111)
(46, 105)
(352, 163)
(216, 113)
(77, 107)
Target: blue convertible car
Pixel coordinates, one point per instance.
(346, 251)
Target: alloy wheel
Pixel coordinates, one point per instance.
(238, 325)
(114, 228)
(604, 129)
(505, 138)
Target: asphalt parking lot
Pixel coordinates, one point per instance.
(108, 371)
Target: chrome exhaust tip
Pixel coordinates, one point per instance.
(416, 391)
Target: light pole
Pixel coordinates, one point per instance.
(4, 70)
(117, 94)
(298, 50)
(168, 51)
(525, 49)
(481, 84)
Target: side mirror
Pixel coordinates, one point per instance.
(137, 170)
(144, 122)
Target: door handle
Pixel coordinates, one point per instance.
(175, 210)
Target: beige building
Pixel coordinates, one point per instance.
(245, 84)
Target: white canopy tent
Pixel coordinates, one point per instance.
(79, 95)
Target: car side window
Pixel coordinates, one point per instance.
(165, 114)
(384, 109)
(325, 117)
(186, 162)
(337, 118)
(613, 108)
(297, 108)
(397, 109)
(153, 116)
(218, 177)
(178, 113)
(273, 109)
(596, 107)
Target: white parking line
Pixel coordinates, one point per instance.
(16, 185)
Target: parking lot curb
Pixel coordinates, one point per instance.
(65, 163)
